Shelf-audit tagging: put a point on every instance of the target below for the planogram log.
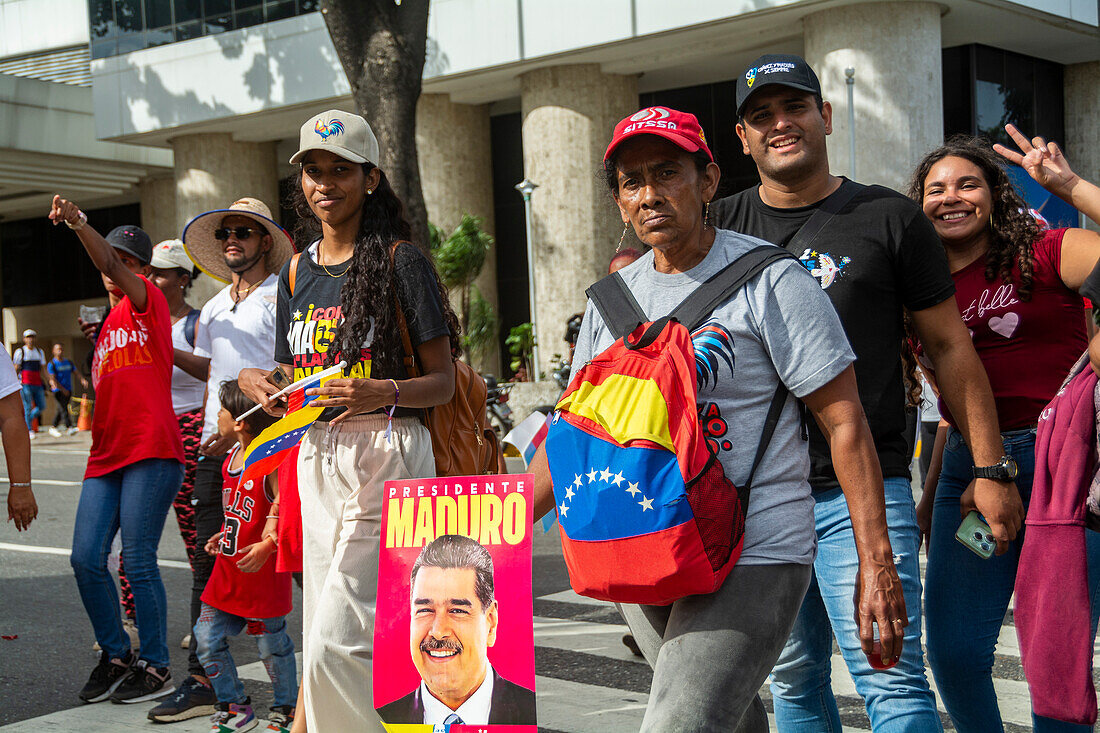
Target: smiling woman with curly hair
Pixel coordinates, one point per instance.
(1017, 289)
(339, 299)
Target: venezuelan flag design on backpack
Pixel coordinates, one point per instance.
(646, 511)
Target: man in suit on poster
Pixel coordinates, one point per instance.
(454, 622)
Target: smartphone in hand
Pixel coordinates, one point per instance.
(279, 378)
(976, 536)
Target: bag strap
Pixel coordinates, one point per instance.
(775, 409)
(617, 305)
(294, 270)
(411, 368)
(698, 306)
(191, 327)
(829, 208)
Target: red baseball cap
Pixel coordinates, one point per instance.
(681, 128)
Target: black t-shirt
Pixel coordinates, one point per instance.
(878, 254)
(306, 322)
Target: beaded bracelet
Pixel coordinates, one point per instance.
(393, 408)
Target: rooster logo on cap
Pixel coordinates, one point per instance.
(333, 128)
(750, 76)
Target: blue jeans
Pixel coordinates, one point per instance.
(34, 402)
(897, 699)
(967, 597)
(212, 632)
(135, 499)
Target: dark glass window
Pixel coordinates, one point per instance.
(280, 10)
(27, 243)
(122, 26)
(158, 13)
(985, 88)
(506, 147)
(714, 105)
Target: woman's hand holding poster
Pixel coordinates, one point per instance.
(454, 635)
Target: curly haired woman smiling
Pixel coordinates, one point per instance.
(1017, 289)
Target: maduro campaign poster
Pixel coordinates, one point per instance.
(454, 641)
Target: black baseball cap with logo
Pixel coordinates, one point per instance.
(780, 69)
(132, 240)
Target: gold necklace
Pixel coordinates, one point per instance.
(235, 294)
(321, 262)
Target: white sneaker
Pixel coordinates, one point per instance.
(73, 430)
(55, 432)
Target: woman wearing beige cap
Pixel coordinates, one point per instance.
(345, 297)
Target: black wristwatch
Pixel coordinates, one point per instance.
(1003, 470)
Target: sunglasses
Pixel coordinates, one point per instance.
(241, 233)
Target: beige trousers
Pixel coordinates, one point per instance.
(341, 471)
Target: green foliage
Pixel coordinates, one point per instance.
(483, 324)
(521, 345)
(461, 255)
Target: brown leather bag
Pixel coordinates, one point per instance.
(463, 442)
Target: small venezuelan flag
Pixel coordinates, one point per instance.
(269, 448)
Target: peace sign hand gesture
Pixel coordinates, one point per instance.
(1043, 161)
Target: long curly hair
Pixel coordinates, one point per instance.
(1013, 229)
(368, 290)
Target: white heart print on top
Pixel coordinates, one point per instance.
(1006, 325)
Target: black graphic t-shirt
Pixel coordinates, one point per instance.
(305, 323)
(879, 254)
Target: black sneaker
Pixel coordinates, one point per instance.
(143, 683)
(106, 677)
(192, 699)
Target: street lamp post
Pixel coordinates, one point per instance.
(527, 187)
(850, 80)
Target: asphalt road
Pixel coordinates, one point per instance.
(46, 646)
(587, 682)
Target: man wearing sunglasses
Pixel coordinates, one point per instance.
(240, 245)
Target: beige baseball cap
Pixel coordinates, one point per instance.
(170, 254)
(342, 133)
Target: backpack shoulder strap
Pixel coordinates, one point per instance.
(191, 327)
(829, 208)
(294, 270)
(617, 305)
(698, 306)
(775, 409)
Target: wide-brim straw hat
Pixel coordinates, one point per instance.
(206, 252)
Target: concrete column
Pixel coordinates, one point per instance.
(212, 171)
(456, 172)
(158, 208)
(1082, 100)
(895, 49)
(569, 113)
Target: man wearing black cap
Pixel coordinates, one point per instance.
(874, 253)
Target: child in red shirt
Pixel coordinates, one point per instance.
(244, 590)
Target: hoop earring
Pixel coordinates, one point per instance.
(625, 227)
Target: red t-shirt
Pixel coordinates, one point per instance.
(265, 593)
(1027, 347)
(132, 373)
(290, 516)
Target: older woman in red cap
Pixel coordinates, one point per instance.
(711, 652)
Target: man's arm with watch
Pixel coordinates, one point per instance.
(964, 386)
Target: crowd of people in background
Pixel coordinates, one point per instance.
(958, 271)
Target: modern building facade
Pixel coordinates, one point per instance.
(156, 110)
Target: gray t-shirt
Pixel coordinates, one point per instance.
(780, 325)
